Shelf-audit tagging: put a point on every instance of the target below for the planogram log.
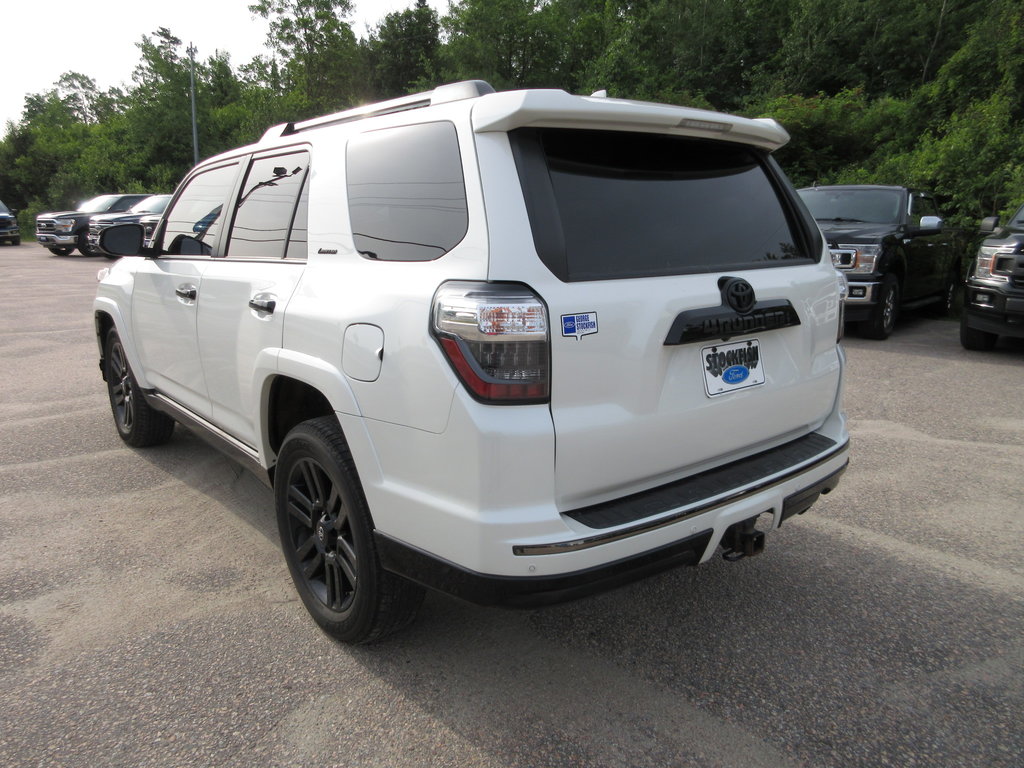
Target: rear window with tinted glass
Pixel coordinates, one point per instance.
(608, 204)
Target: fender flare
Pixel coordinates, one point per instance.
(104, 305)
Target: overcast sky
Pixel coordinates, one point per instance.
(98, 38)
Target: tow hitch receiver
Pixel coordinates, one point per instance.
(742, 540)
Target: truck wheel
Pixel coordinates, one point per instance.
(975, 339)
(883, 317)
(83, 244)
(137, 422)
(62, 251)
(327, 538)
(15, 241)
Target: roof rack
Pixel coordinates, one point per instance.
(443, 94)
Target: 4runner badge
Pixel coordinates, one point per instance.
(579, 325)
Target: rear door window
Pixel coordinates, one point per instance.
(267, 207)
(607, 204)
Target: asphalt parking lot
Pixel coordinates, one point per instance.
(147, 617)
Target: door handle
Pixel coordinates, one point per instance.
(187, 292)
(263, 305)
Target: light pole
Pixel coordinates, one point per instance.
(191, 51)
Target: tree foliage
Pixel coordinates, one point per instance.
(922, 92)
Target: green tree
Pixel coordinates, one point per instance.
(403, 49)
(318, 49)
(509, 43)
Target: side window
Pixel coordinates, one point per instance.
(267, 207)
(406, 192)
(195, 219)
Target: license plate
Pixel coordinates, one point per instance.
(729, 367)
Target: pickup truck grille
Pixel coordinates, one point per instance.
(46, 225)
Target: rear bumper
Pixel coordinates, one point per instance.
(789, 486)
(533, 591)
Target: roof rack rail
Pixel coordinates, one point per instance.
(443, 94)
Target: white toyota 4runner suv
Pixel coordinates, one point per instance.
(516, 346)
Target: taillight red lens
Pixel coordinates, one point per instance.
(496, 338)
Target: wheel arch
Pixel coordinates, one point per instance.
(302, 388)
(107, 315)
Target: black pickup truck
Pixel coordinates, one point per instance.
(994, 292)
(894, 248)
(63, 231)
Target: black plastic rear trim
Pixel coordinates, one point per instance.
(789, 458)
(711, 323)
(531, 591)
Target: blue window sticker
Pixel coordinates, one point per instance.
(579, 324)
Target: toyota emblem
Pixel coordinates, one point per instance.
(739, 294)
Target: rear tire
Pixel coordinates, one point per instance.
(883, 316)
(327, 537)
(975, 339)
(137, 422)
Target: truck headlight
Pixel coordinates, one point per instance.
(865, 258)
(986, 263)
(64, 226)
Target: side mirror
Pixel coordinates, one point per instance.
(122, 240)
(183, 245)
(989, 225)
(930, 224)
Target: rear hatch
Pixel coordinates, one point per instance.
(693, 321)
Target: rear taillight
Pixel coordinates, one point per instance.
(495, 336)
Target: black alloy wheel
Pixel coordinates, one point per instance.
(327, 538)
(320, 531)
(137, 422)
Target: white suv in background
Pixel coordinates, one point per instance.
(514, 346)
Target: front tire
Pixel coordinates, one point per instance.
(137, 422)
(974, 339)
(883, 317)
(83, 244)
(61, 250)
(327, 538)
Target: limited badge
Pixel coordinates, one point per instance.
(579, 325)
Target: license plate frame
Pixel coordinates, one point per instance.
(731, 367)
